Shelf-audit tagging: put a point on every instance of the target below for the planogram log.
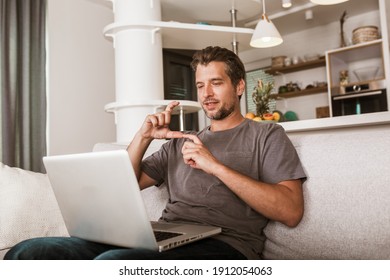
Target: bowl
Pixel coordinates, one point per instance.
(366, 73)
(278, 61)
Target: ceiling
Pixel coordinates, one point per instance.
(217, 12)
(322, 15)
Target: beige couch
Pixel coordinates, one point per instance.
(347, 201)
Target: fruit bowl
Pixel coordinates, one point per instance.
(366, 73)
(275, 116)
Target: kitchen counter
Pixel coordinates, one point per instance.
(370, 119)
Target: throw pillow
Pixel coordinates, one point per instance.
(28, 207)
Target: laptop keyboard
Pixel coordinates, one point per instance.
(162, 235)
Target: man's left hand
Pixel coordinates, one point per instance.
(196, 155)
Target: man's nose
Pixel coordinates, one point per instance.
(208, 91)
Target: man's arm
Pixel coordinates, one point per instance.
(155, 126)
(281, 202)
(136, 151)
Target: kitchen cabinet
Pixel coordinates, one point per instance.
(357, 57)
(363, 90)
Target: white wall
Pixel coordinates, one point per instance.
(81, 78)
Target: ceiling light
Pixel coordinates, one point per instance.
(265, 35)
(286, 4)
(328, 2)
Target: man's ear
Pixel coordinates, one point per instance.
(241, 87)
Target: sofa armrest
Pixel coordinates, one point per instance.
(347, 209)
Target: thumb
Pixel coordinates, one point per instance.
(192, 137)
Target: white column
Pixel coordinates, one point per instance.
(138, 64)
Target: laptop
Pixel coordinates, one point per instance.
(100, 200)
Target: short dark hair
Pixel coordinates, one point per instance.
(234, 67)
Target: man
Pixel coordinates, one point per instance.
(236, 174)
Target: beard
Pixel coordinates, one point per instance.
(222, 113)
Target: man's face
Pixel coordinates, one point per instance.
(216, 93)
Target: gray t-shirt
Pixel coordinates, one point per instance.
(259, 150)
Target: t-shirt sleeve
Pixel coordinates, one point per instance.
(280, 160)
(156, 164)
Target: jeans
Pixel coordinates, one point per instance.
(71, 248)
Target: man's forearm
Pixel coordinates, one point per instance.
(282, 202)
(136, 151)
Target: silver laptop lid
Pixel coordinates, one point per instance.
(80, 182)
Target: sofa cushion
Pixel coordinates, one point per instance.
(347, 209)
(28, 207)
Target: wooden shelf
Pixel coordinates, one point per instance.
(321, 62)
(304, 92)
(297, 67)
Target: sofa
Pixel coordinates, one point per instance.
(347, 200)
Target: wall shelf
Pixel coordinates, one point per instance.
(177, 35)
(297, 67)
(298, 93)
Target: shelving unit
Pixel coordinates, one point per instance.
(138, 35)
(357, 96)
(320, 62)
(177, 35)
(351, 58)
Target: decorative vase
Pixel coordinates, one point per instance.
(342, 34)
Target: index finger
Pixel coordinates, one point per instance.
(171, 106)
(192, 137)
(174, 134)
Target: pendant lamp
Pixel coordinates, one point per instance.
(265, 35)
(327, 2)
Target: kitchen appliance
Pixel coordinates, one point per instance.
(361, 98)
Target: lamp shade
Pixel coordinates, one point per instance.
(327, 2)
(265, 35)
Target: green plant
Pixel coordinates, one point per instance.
(261, 96)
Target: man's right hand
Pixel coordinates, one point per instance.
(156, 126)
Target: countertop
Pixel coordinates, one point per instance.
(337, 122)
